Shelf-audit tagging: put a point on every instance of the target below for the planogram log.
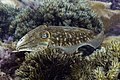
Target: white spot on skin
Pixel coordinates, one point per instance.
(54, 45)
(57, 39)
(60, 43)
(52, 42)
(77, 38)
(64, 39)
(81, 37)
(65, 34)
(70, 36)
(80, 34)
(70, 43)
(79, 41)
(60, 36)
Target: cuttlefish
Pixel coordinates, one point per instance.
(65, 38)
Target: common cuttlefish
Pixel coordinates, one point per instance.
(65, 38)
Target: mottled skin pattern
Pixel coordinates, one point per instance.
(56, 37)
(69, 36)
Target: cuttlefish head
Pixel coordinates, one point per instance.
(37, 38)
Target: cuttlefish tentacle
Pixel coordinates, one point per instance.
(66, 38)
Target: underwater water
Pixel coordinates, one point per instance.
(59, 39)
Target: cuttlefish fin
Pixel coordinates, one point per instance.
(94, 43)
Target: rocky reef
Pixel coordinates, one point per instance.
(51, 64)
(60, 12)
(7, 14)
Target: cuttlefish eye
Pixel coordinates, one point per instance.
(22, 39)
(45, 35)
